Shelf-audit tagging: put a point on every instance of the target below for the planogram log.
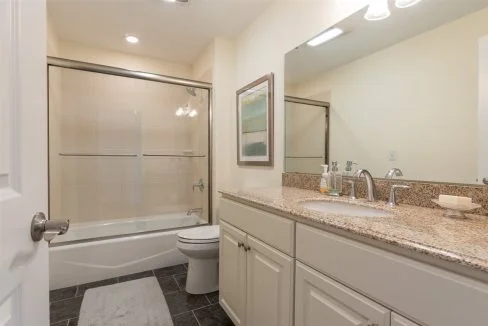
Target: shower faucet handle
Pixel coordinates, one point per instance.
(199, 185)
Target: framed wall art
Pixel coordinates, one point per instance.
(255, 122)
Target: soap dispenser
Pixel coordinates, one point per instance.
(335, 180)
(348, 169)
(324, 182)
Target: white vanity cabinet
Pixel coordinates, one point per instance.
(320, 300)
(277, 272)
(232, 273)
(256, 279)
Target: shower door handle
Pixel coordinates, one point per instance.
(41, 227)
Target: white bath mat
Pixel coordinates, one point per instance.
(134, 303)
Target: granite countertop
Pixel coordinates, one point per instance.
(423, 230)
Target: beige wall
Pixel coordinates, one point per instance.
(52, 39)
(417, 98)
(102, 114)
(259, 50)
(203, 66)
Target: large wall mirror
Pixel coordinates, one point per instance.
(408, 92)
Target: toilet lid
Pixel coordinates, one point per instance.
(201, 234)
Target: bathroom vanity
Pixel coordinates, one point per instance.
(284, 264)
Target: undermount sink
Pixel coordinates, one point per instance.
(332, 207)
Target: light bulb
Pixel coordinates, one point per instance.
(132, 39)
(193, 113)
(180, 112)
(378, 10)
(406, 3)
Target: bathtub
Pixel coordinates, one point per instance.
(100, 250)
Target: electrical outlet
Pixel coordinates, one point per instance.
(392, 156)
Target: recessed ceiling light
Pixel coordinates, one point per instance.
(325, 36)
(132, 39)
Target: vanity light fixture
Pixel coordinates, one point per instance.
(379, 10)
(132, 39)
(406, 3)
(325, 36)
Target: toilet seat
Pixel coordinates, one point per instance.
(201, 234)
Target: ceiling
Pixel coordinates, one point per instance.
(363, 37)
(169, 31)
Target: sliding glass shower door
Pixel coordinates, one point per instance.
(127, 153)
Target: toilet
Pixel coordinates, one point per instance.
(201, 246)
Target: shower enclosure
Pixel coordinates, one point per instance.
(128, 151)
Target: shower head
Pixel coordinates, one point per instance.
(191, 91)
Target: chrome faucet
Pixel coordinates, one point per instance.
(194, 210)
(392, 200)
(371, 196)
(394, 172)
(199, 185)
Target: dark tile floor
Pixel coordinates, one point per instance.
(186, 309)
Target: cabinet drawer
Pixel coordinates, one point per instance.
(430, 295)
(276, 231)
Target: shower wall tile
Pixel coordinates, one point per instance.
(93, 114)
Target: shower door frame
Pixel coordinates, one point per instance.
(115, 71)
(326, 106)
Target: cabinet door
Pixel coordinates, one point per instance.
(397, 320)
(269, 285)
(320, 300)
(232, 272)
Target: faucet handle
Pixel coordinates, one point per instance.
(393, 172)
(352, 194)
(392, 200)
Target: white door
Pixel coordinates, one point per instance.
(269, 285)
(320, 300)
(397, 320)
(24, 298)
(232, 274)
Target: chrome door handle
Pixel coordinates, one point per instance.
(41, 227)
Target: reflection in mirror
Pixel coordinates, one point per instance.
(406, 92)
(306, 135)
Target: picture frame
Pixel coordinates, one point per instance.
(255, 122)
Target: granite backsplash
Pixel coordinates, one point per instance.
(421, 193)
